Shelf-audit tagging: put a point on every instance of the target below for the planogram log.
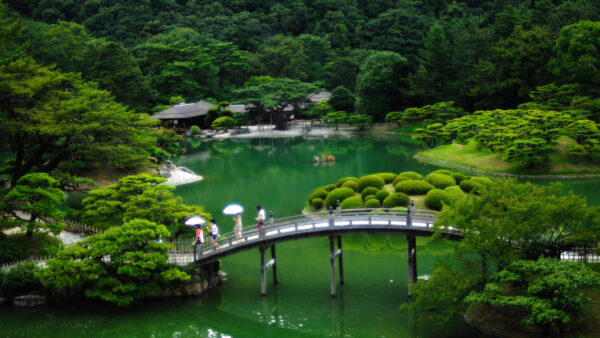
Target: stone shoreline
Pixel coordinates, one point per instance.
(464, 167)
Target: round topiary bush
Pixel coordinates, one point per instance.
(413, 175)
(317, 203)
(436, 198)
(401, 178)
(372, 203)
(194, 130)
(481, 180)
(454, 193)
(343, 180)
(387, 177)
(369, 197)
(368, 191)
(329, 187)
(443, 172)
(353, 202)
(381, 195)
(369, 181)
(318, 193)
(469, 186)
(458, 177)
(338, 194)
(413, 187)
(396, 200)
(349, 184)
(440, 181)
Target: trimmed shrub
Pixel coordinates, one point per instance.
(469, 186)
(401, 178)
(396, 200)
(381, 195)
(343, 180)
(372, 203)
(440, 181)
(413, 187)
(338, 194)
(413, 175)
(369, 181)
(317, 203)
(368, 191)
(387, 177)
(318, 193)
(436, 198)
(455, 194)
(194, 130)
(481, 180)
(369, 197)
(20, 279)
(349, 184)
(329, 187)
(458, 177)
(353, 202)
(443, 172)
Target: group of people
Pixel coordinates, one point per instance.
(213, 228)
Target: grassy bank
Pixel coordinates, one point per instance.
(483, 159)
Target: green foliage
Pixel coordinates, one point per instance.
(413, 187)
(368, 191)
(224, 122)
(19, 247)
(436, 199)
(20, 280)
(440, 181)
(550, 291)
(338, 194)
(400, 178)
(442, 172)
(484, 181)
(194, 130)
(318, 193)
(342, 99)
(413, 175)
(396, 200)
(381, 195)
(458, 177)
(317, 203)
(387, 177)
(362, 121)
(334, 119)
(138, 197)
(372, 203)
(137, 267)
(369, 181)
(329, 187)
(369, 197)
(343, 180)
(454, 194)
(353, 202)
(470, 186)
(349, 184)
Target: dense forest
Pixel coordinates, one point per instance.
(391, 54)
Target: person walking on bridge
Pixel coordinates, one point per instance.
(261, 220)
(238, 226)
(214, 232)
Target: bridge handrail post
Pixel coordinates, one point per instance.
(409, 217)
(271, 218)
(338, 210)
(331, 217)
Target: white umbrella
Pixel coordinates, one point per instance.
(233, 209)
(194, 221)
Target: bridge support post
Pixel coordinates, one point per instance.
(274, 258)
(340, 259)
(263, 275)
(332, 262)
(412, 261)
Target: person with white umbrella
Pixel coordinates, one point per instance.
(235, 210)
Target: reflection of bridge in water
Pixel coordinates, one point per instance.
(409, 222)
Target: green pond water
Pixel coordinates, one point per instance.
(279, 175)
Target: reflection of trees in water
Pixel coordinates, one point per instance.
(193, 143)
(228, 147)
(391, 244)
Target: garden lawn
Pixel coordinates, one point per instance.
(468, 155)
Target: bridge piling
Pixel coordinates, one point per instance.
(332, 262)
(412, 261)
(263, 277)
(340, 259)
(274, 258)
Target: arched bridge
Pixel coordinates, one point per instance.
(410, 222)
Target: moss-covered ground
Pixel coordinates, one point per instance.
(559, 163)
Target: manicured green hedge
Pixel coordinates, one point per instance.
(343, 180)
(337, 194)
(387, 177)
(329, 187)
(349, 184)
(369, 181)
(413, 175)
(481, 180)
(318, 193)
(369, 197)
(372, 203)
(381, 195)
(440, 181)
(317, 203)
(470, 186)
(396, 200)
(401, 178)
(19, 280)
(368, 191)
(455, 193)
(353, 202)
(413, 187)
(442, 172)
(435, 199)
(458, 177)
